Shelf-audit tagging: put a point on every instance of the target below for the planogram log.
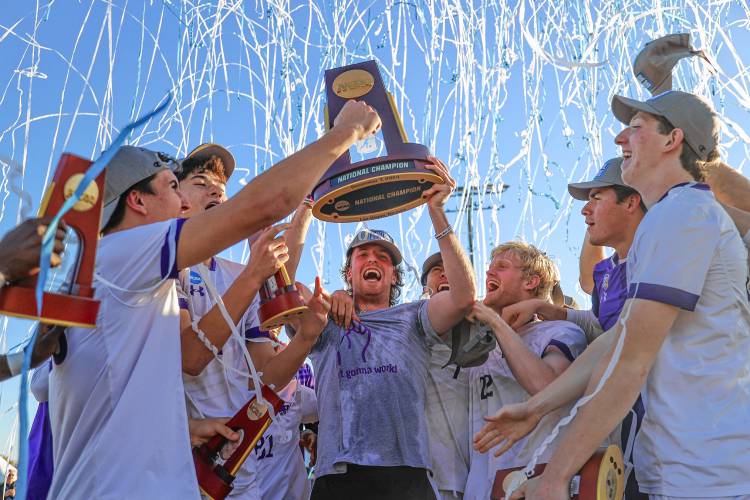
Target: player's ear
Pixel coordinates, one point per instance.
(134, 200)
(532, 282)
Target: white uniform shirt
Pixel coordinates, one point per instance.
(218, 392)
(448, 420)
(117, 405)
(695, 437)
(492, 386)
(277, 456)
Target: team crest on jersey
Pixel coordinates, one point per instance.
(195, 278)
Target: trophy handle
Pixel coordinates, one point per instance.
(77, 307)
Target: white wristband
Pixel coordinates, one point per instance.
(15, 362)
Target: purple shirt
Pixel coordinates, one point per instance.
(40, 454)
(610, 291)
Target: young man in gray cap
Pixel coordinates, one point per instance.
(370, 378)
(685, 331)
(117, 402)
(613, 212)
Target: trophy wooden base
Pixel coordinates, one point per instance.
(214, 478)
(601, 478)
(281, 309)
(57, 309)
(374, 188)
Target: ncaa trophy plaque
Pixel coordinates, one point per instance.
(76, 307)
(217, 462)
(375, 187)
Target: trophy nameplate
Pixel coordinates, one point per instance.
(280, 301)
(215, 468)
(377, 187)
(77, 307)
(602, 477)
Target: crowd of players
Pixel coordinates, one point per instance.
(406, 400)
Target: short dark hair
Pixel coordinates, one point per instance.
(115, 219)
(625, 192)
(213, 165)
(398, 270)
(689, 159)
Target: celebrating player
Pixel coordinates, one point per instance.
(117, 402)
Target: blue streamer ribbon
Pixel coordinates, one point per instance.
(44, 264)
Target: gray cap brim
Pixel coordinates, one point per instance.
(431, 261)
(625, 108)
(204, 152)
(390, 247)
(580, 190)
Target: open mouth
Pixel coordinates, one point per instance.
(626, 155)
(443, 287)
(492, 285)
(212, 204)
(372, 274)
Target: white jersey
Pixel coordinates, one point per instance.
(448, 420)
(277, 456)
(117, 405)
(695, 436)
(218, 392)
(40, 382)
(492, 386)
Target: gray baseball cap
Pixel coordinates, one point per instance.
(693, 114)
(653, 64)
(471, 344)
(128, 167)
(432, 261)
(607, 176)
(377, 237)
(204, 152)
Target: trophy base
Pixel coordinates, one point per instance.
(57, 309)
(373, 189)
(602, 477)
(280, 310)
(211, 485)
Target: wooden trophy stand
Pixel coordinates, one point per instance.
(215, 472)
(77, 308)
(378, 187)
(280, 301)
(601, 478)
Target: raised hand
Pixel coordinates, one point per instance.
(438, 194)
(342, 308)
(505, 428)
(360, 116)
(268, 253)
(20, 248)
(315, 319)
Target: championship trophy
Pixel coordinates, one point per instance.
(279, 301)
(77, 307)
(217, 462)
(602, 477)
(375, 187)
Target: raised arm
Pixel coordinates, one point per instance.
(590, 256)
(448, 308)
(280, 367)
(274, 193)
(296, 236)
(266, 256)
(729, 186)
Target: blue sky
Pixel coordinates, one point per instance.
(503, 92)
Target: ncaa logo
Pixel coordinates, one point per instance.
(195, 278)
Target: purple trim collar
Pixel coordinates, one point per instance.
(694, 185)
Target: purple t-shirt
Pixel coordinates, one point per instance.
(610, 290)
(40, 454)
